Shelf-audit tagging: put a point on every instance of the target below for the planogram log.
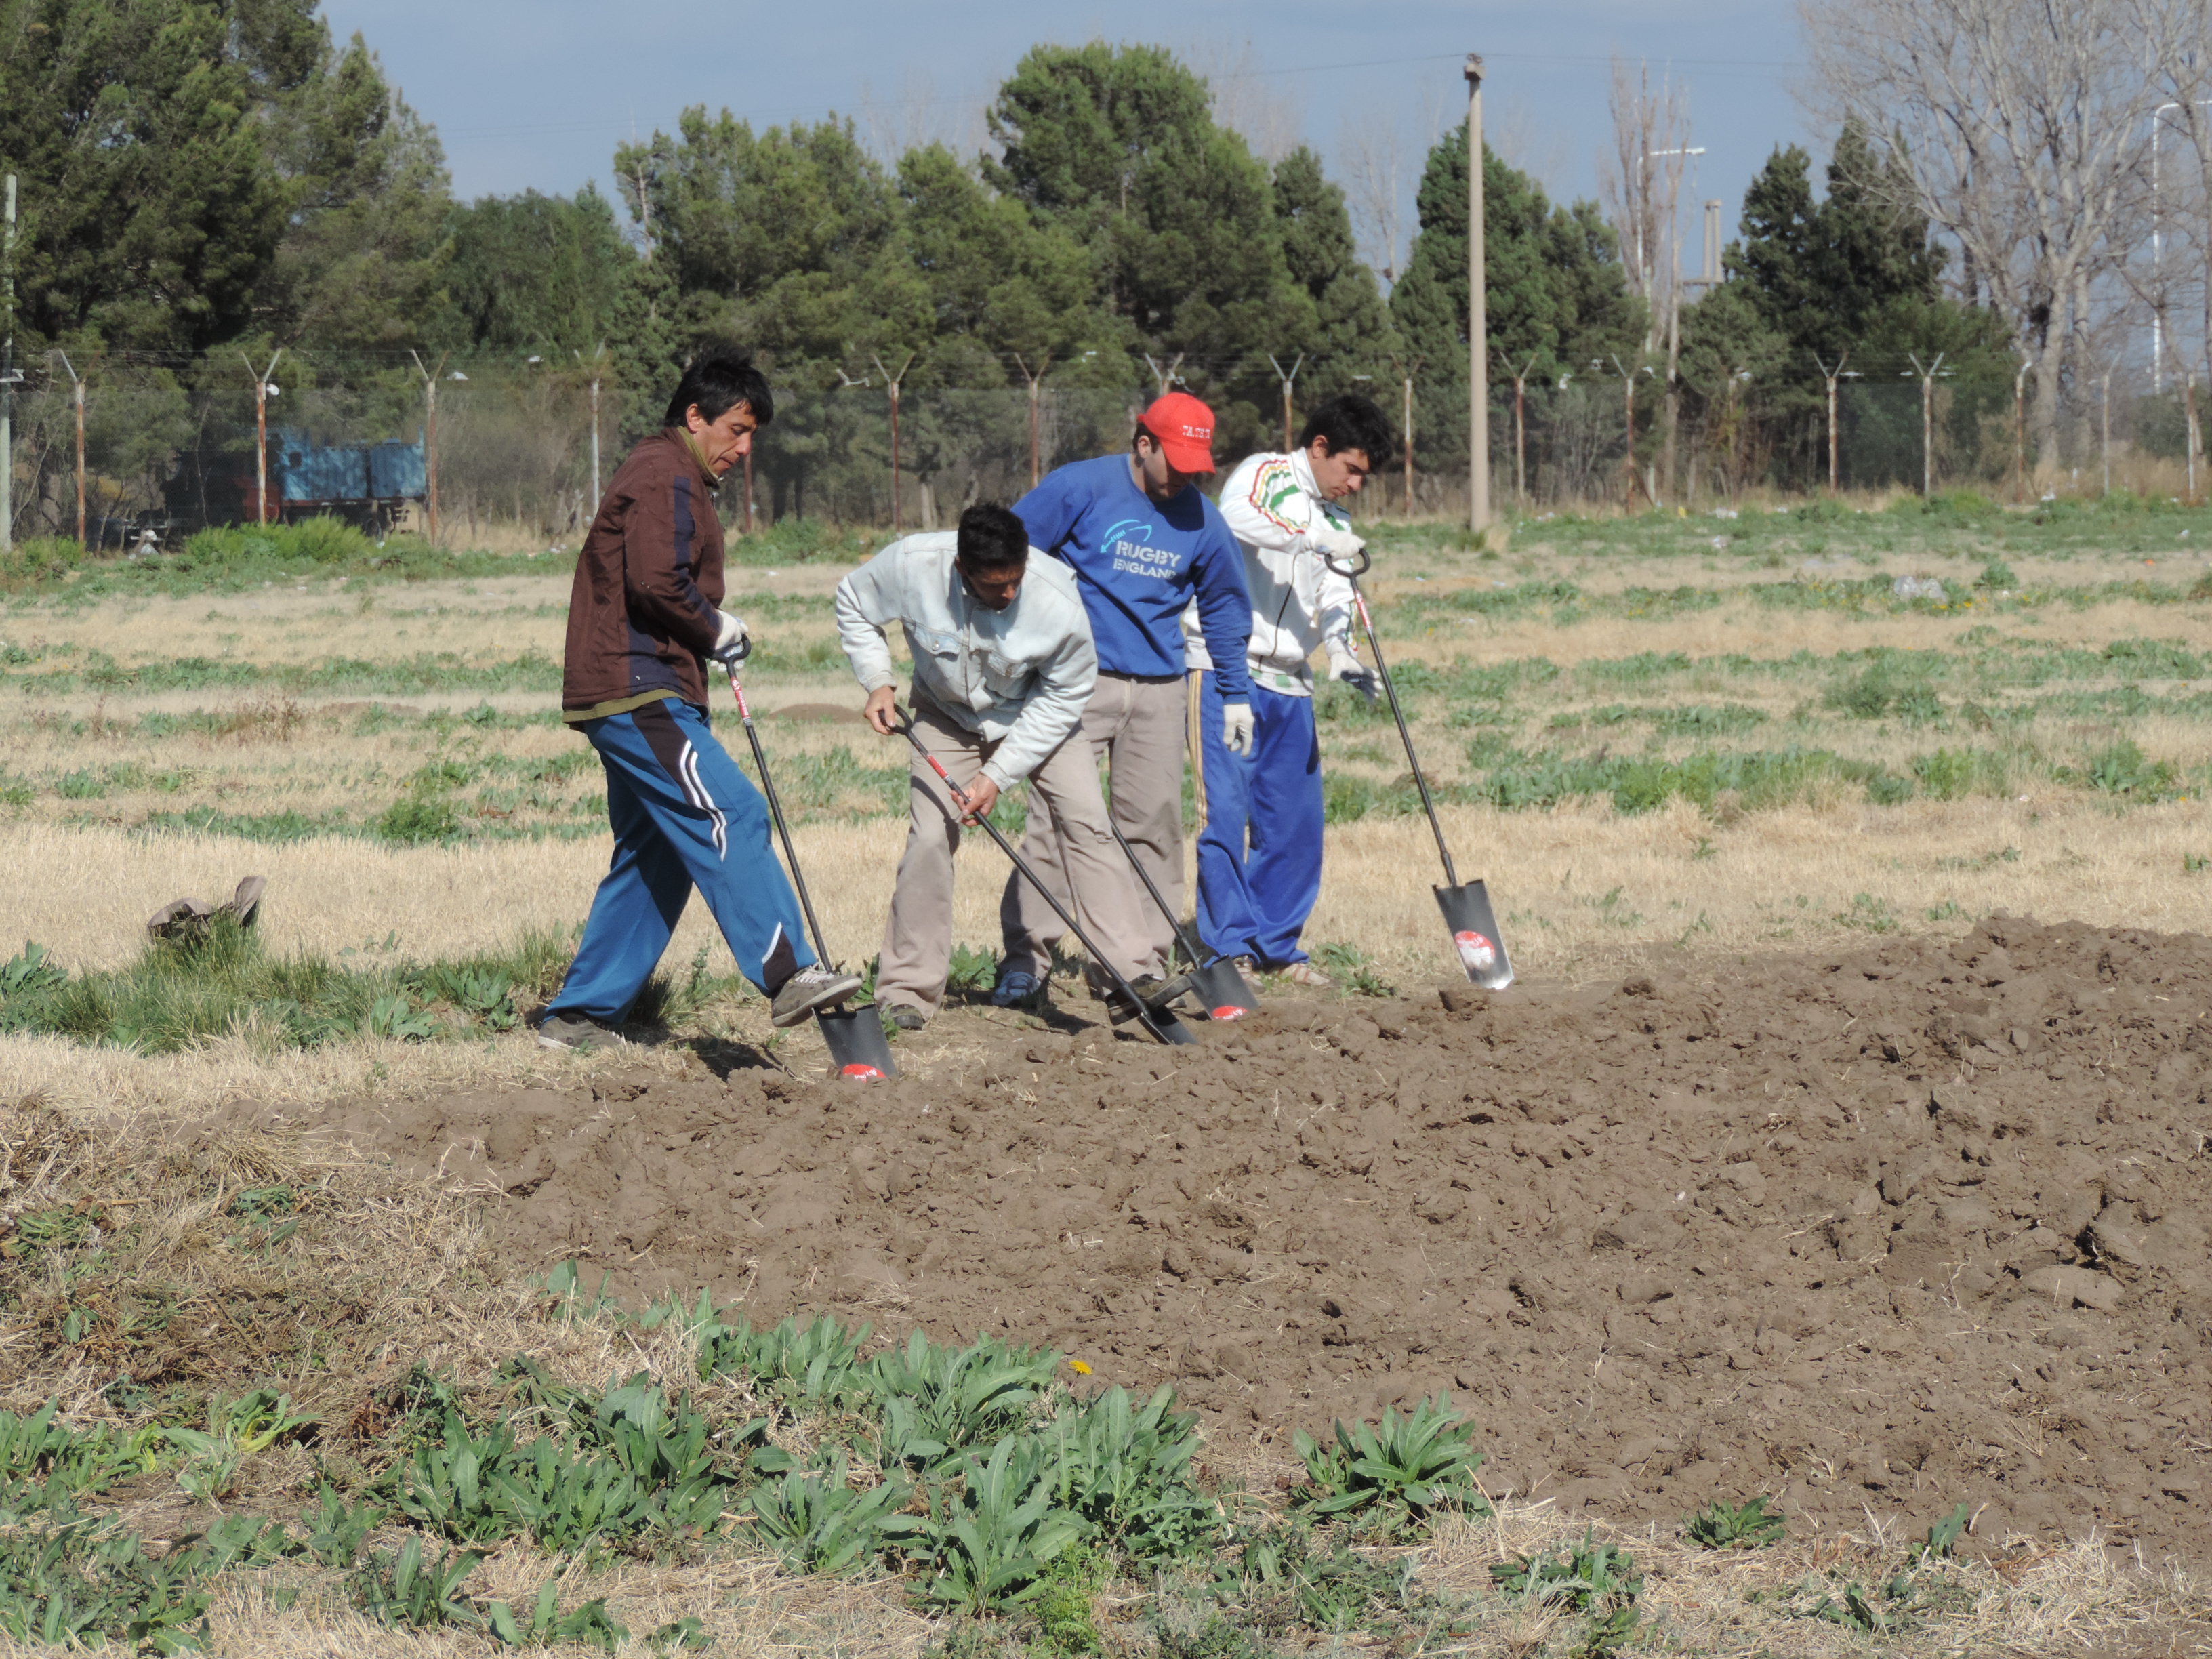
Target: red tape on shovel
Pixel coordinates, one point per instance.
(1163, 1025)
(1475, 937)
(858, 1048)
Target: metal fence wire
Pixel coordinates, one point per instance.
(519, 451)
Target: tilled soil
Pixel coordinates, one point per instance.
(1877, 1233)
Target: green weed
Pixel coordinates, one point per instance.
(1353, 968)
(1749, 1525)
(1401, 1469)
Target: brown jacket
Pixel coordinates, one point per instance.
(648, 582)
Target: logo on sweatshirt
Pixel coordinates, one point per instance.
(1128, 547)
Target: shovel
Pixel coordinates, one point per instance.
(1220, 987)
(1162, 1024)
(858, 1048)
(1467, 908)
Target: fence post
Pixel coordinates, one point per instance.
(2020, 433)
(1927, 419)
(1832, 375)
(8, 378)
(430, 438)
(1286, 380)
(261, 390)
(76, 384)
(892, 381)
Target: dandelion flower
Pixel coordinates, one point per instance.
(1078, 1368)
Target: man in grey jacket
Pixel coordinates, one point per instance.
(1003, 665)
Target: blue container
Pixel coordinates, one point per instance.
(311, 474)
(396, 472)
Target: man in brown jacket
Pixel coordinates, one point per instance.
(643, 618)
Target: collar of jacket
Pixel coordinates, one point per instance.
(698, 456)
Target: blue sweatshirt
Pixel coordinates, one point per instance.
(1137, 562)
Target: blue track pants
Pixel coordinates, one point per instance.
(684, 817)
(1259, 856)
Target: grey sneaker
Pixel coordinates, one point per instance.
(906, 1016)
(809, 991)
(578, 1035)
(1015, 987)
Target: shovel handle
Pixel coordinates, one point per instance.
(904, 725)
(1351, 572)
(775, 810)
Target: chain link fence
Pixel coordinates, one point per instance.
(515, 461)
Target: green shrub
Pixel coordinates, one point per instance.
(1750, 1525)
(1401, 1469)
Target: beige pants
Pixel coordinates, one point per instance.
(918, 940)
(1137, 726)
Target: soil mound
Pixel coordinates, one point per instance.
(1884, 1232)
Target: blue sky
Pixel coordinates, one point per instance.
(538, 95)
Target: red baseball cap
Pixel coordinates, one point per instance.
(1183, 429)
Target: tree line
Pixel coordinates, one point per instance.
(206, 183)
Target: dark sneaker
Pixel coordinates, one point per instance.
(1015, 987)
(576, 1033)
(809, 991)
(906, 1016)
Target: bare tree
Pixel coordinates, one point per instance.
(918, 116)
(1383, 148)
(1641, 183)
(2022, 124)
(1247, 101)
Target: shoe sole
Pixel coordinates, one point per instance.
(829, 999)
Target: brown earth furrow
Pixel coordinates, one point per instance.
(1879, 1232)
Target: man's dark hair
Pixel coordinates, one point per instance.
(992, 538)
(718, 382)
(1352, 422)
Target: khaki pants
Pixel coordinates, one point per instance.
(918, 940)
(1137, 724)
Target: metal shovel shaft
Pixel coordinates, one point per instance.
(1405, 736)
(960, 797)
(776, 811)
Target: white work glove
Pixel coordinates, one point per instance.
(1237, 727)
(731, 644)
(1340, 546)
(1347, 670)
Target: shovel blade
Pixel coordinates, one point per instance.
(1170, 1030)
(1224, 990)
(858, 1048)
(1475, 937)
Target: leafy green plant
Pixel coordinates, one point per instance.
(1749, 1525)
(1599, 1580)
(818, 1522)
(936, 1401)
(588, 1625)
(992, 1539)
(973, 969)
(420, 1593)
(816, 1366)
(1126, 1469)
(1405, 1467)
(396, 1016)
(1352, 968)
(30, 971)
(336, 1529)
(1943, 1536)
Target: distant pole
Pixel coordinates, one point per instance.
(892, 381)
(1036, 413)
(8, 378)
(1927, 419)
(1520, 429)
(77, 397)
(2020, 433)
(2107, 421)
(1286, 380)
(1628, 460)
(429, 438)
(599, 357)
(1408, 367)
(1478, 317)
(1830, 376)
(261, 434)
(2190, 442)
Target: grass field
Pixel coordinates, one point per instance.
(1653, 736)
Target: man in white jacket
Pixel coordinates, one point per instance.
(1003, 665)
(1259, 856)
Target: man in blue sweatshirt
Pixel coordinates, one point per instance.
(1143, 541)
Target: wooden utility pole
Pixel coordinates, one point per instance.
(1036, 414)
(8, 376)
(1927, 421)
(1286, 380)
(261, 390)
(76, 384)
(430, 438)
(892, 381)
(1520, 377)
(1832, 375)
(1477, 314)
(1408, 367)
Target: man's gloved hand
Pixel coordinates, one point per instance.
(731, 644)
(1237, 727)
(1339, 546)
(1347, 670)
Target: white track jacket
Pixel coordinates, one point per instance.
(1298, 602)
(1020, 677)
